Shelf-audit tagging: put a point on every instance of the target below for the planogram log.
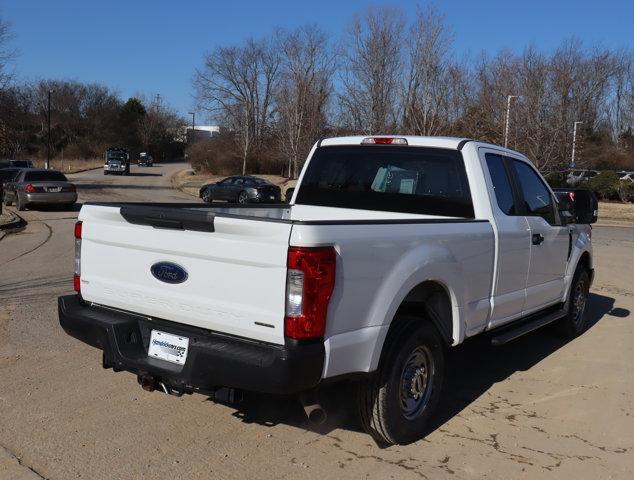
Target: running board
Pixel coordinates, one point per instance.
(511, 333)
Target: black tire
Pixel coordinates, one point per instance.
(206, 196)
(390, 411)
(19, 205)
(243, 197)
(105, 173)
(7, 202)
(574, 323)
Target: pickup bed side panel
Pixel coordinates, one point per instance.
(236, 280)
(378, 265)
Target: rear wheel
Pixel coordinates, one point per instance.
(19, 203)
(7, 202)
(206, 196)
(397, 402)
(574, 323)
(243, 197)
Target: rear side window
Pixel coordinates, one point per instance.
(501, 184)
(44, 177)
(418, 180)
(536, 195)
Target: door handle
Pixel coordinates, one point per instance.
(537, 238)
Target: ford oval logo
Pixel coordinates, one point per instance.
(169, 272)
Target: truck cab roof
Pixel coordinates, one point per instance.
(452, 143)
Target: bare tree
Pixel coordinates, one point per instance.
(7, 54)
(428, 83)
(372, 71)
(237, 85)
(305, 88)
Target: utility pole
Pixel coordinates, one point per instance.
(158, 101)
(574, 144)
(48, 142)
(508, 113)
(193, 114)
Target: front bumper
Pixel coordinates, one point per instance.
(50, 198)
(213, 360)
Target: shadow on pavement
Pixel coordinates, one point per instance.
(473, 368)
(116, 186)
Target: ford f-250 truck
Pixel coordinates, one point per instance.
(392, 250)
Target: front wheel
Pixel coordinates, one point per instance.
(574, 323)
(207, 196)
(396, 403)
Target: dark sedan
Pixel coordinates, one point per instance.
(243, 189)
(39, 187)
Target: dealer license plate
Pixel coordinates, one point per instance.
(166, 346)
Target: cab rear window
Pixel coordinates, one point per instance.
(429, 181)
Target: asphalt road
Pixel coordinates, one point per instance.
(537, 408)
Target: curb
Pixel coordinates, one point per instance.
(15, 225)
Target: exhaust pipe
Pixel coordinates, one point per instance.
(147, 382)
(315, 413)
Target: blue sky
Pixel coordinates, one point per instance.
(153, 46)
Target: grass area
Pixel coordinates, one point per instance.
(616, 213)
(71, 165)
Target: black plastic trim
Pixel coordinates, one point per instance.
(170, 218)
(463, 143)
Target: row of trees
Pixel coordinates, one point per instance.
(85, 118)
(276, 96)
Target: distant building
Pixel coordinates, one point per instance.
(201, 132)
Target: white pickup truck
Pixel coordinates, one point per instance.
(391, 250)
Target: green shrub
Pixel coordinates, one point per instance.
(606, 185)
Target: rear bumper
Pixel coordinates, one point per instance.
(61, 197)
(213, 360)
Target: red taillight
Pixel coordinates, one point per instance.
(77, 276)
(29, 188)
(384, 141)
(309, 285)
(571, 196)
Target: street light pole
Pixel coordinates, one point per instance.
(574, 143)
(193, 114)
(48, 142)
(508, 113)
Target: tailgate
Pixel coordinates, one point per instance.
(236, 274)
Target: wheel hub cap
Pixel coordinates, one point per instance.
(416, 382)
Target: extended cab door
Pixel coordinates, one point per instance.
(549, 243)
(512, 238)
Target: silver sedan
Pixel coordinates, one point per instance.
(39, 187)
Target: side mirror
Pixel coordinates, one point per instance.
(581, 203)
(566, 211)
(586, 206)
